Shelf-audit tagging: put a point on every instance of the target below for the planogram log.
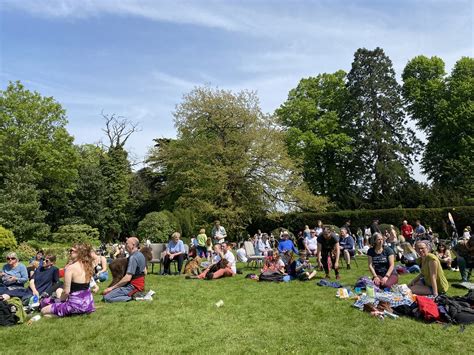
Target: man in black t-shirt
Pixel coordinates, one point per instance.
(328, 248)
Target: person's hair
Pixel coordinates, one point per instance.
(40, 252)
(51, 257)
(344, 228)
(202, 231)
(407, 248)
(217, 221)
(374, 237)
(84, 256)
(12, 255)
(176, 234)
(442, 246)
(426, 243)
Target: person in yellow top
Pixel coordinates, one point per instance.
(201, 246)
(431, 280)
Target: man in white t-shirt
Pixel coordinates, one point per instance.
(229, 270)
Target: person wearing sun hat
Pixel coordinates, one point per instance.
(14, 273)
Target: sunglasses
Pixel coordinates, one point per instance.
(47, 260)
(72, 251)
(11, 258)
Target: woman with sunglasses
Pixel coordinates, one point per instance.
(13, 275)
(75, 297)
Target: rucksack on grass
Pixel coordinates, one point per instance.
(11, 312)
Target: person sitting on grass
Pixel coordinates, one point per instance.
(444, 256)
(134, 279)
(75, 297)
(465, 257)
(300, 268)
(174, 251)
(13, 274)
(382, 263)
(100, 267)
(230, 268)
(35, 262)
(274, 263)
(431, 280)
(328, 248)
(347, 244)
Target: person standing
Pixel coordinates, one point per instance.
(218, 233)
(134, 279)
(347, 245)
(374, 227)
(328, 248)
(420, 230)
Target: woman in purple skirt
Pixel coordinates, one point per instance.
(75, 298)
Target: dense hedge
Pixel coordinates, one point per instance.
(434, 217)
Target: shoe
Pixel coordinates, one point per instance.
(209, 276)
(453, 269)
(348, 266)
(338, 277)
(191, 277)
(327, 276)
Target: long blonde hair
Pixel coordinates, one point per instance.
(84, 256)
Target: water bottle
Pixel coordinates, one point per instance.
(370, 291)
(34, 319)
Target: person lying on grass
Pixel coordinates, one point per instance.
(300, 268)
(75, 297)
(230, 266)
(382, 263)
(431, 280)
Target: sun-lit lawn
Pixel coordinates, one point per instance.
(297, 317)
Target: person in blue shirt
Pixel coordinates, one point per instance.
(14, 273)
(299, 268)
(174, 251)
(286, 247)
(420, 230)
(347, 246)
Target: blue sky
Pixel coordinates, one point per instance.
(137, 58)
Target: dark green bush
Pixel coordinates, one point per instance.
(434, 217)
(157, 226)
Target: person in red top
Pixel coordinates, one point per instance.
(407, 232)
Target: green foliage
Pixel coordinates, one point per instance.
(444, 108)
(20, 209)
(185, 220)
(76, 233)
(25, 252)
(316, 135)
(383, 144)
(228, 161)
(434, 217)
(116, 171)
(34, 136)
(7, 240)
(157, 226)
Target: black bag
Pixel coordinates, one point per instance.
(7, 314)
(274, 276)
(457, 311)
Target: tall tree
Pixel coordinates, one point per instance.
(444, 108)
(33, 135)
(229, 160)
(383, 144)
(312, 115)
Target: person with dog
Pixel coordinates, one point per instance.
(382, 263)
(328, 248)
(75, 297)
(174, 251)
(134, 279)
(229, 268)
(431, 280)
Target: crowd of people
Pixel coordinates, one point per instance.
(284, 258)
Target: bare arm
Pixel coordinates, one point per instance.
(33, 287)
(433, 277)
(371, 267)
(67, 283)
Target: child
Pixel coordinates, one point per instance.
(201, 243)
(299, 268)
(209, 248)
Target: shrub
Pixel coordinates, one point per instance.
(76, 233)
(25, 252)
(185, 221)
(157, 226)
(7, 239)
(434, 217)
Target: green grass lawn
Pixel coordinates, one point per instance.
(295, 317)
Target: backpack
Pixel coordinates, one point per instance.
(458, 309)
(12, 312)
(428, 308)
(271, 276)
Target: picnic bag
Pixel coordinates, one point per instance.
(458, 309)
(11, 312)
(428, 308)
(271, 276)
